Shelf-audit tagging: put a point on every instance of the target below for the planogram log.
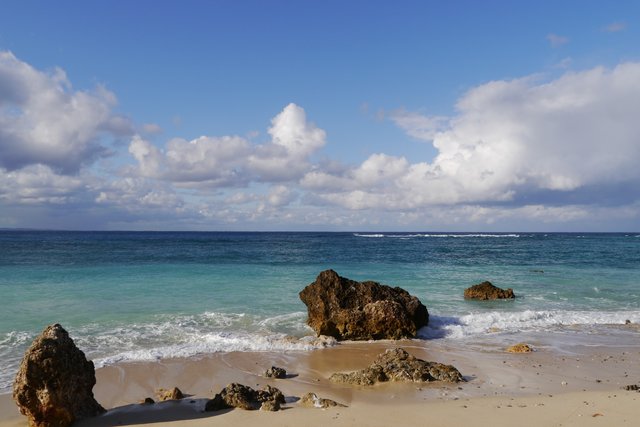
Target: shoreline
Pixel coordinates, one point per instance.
(546, 386)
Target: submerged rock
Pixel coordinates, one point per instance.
(311, 400)
(398, 365)
(350, 310)
(241, 396)
(275, 372)
(173, 394)
(520, 348)
(487, 291)
(54, 384)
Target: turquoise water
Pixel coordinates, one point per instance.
(143, 296)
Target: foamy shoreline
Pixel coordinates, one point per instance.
(547, 387)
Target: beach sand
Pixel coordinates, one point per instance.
(580, 386)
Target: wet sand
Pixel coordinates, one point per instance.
(581, 385)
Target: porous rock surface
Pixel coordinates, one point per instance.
(520, 348)
(173, 394)
(487, 291)
(54, 384)
(275, 372)
(351, 310)
(311, 400)
(241, 396)
(398, 365)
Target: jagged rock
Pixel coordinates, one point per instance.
(241, 396)
(54, 384)
(275, 372)
(350, 310)
(520, 348)
(173, 394)
(398, 365)
(487, 291)
(216, 404)
(270, 406)
(311, 400)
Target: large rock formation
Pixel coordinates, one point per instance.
(241, 396)
(398, 365)
(54, 384)
(350, 310)
(486, 291)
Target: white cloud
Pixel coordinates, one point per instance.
(418, 125)
(232, 161)
(293, 141)
(510, 140)
(151, 128)
(43, 121)
(38, 184)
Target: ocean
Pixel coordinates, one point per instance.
(140, 296)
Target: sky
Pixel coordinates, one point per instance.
(320, 115)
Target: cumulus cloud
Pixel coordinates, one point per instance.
(232, 161)
(38, 184)
(418, 125)
(44, 121)
(510, 139)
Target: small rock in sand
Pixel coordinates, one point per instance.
(520, 348)
(311, 400)
(275, 372)
(173, 394)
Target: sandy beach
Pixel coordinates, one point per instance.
(579, 386)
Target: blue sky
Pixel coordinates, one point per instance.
(331, 115)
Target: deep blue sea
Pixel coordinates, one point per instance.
(128, 296)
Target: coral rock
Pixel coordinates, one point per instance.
(487, 291)
(241, 396)
(173, 394)
(398, 365)
(311, 400)
(275, 372)
(54, 384)
(350, 310)
(520, 348)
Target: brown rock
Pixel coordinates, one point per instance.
(350, 310)
(54, 384)
(311, 400)
(241, 396)
(520, 348)
(486, 291)
(275, 372)
(398, 365)
(173, 394)
(148, 401)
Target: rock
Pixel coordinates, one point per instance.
(270, 393)
(148, 401)
(275, 372)
(398, 365)
(350, 310)
(241, 396)
(520, 348)
(311, 400)
(270, 406)
(173, 394)
(632, 387)
(486, 291)
(54, 384)
(216, 404)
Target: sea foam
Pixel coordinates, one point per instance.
(478, 324)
